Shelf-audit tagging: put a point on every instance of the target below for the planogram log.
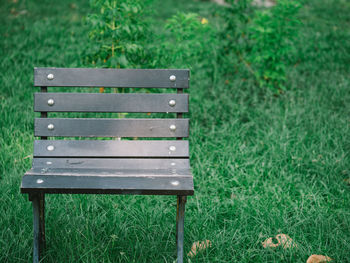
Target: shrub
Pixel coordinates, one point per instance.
(118, 33)
(272, 32)
(236, 15)
(190, 42)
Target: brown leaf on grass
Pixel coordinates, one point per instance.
(268, 243)
(102, 89)
(199, 246)
(318, 259)
(283, 240)
(347, 181)
(286, 241)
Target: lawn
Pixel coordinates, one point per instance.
(262, 164)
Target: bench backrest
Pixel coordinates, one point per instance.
(174, 128)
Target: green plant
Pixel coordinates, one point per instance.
(233, 34)
(236, 16)
(118, 33)
(190, 42)
(272, 32)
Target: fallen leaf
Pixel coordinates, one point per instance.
(102, 89)
(347, 180)
(268, 243)
(286, 241)
(199, 246)
(318, 259)
(282, 240)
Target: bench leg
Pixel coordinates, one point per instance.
(180, 217)
(38, 225)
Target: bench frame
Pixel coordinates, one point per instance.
(39, 242)
(113, 78)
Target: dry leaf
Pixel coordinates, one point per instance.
(102, 89)
(286, 241)
(269, 243)
(198, 247)
(318, 259)
(347, 180)
(283, 240)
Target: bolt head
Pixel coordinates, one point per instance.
(172, 148)
(50, 127)
(39, 181)
(175, 183)
(172, 78)
(50, 102)
(172, 127)
(172, 103)
(50, 76)
(50, 148)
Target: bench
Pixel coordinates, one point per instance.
(107, 164)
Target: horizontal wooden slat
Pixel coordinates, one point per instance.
(92, 77)
(107, 185)
(110, 172)
(107, 163)
(110, 102)
(110, 148)
(75, 127)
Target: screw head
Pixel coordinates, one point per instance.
(172, 78)
(172, 127)
(39, 181)
(175, 183)
(172, 103)
(172, 148)
(50, 148)
(50, 76)
(50, 102)
(50, 127)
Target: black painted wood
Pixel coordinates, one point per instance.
(111, 148)
(109, 163)
(91, 127)
(147, 172)
(124, 78)
(110, 102)
(180, 223)
(107, 185)
(43, 114)
(109, 166)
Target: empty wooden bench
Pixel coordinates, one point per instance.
(109, 166)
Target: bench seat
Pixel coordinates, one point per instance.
(108, 181)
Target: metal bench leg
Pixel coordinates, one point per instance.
(180, 216)
(38, 226)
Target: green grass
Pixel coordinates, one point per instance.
(262, 165)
